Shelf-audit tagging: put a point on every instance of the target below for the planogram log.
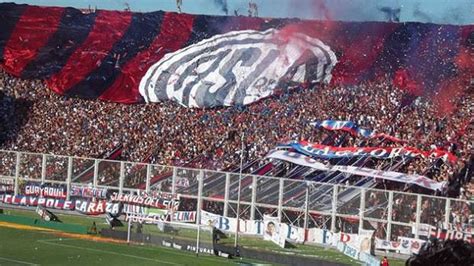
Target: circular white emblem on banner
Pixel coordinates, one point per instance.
(237, 68)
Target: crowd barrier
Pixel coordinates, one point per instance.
(392, 215)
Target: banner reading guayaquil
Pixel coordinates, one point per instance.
(303, 160)
(45, 190)
(330, 152)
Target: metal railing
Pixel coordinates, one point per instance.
(297, 202)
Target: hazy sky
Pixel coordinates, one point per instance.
(436, 11)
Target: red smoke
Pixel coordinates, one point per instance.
(321, 30)
(465, 60)
(354, 62)
(448, 94)
(403, 81)
(451, 90)
(316, 30)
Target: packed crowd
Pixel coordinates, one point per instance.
(38, 120)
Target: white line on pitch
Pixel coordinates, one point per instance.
(17, 261)
(165, 249)
(107, 252)
(55, 239)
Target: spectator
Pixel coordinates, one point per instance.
(169, 134)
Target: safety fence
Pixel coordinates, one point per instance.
(299, 203)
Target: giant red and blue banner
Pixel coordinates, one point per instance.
(205, 61)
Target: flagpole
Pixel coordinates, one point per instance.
(240, 188)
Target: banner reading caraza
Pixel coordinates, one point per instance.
(97, 207)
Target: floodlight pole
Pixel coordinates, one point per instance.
(240, 188)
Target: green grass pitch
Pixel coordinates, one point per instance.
(24, 247)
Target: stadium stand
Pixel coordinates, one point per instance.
(91, 128)
(67, 90)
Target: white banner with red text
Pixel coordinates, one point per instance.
(330, 152)
(303, 160)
